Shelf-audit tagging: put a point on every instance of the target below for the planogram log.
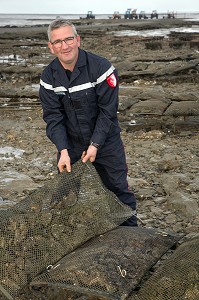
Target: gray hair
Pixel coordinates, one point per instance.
(59, 22)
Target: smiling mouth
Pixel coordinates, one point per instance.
(66, 52)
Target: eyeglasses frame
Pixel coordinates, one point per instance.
(68, 41)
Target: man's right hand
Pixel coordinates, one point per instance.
(64, 161)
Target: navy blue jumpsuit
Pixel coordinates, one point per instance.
(84, 109)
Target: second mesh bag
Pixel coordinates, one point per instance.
(177, 278)
(108, 266)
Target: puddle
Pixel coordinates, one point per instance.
(12, 180)
(157, 32)
(11, 59)
(5, 203)
(32, 87)
(20, 103)
(9, 153)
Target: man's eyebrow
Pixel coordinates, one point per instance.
(69, 37)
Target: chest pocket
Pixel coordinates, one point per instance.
(85, 105)
(81, 111)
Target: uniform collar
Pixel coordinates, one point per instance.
(81, 61)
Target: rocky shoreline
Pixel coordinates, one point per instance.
(158, 113)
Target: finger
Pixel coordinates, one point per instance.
(86, 157)
(61, 169)
(83, 154)
(68, 168)
(92, 159)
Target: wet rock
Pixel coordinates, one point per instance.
(168, 163)
(15, 181)
(170, 183)
(183, 108)
(183, 203)
(149, 107)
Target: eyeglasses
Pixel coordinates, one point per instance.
(58, 43)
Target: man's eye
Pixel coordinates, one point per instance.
(69, 39)
(57, 42)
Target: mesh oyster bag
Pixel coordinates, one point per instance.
(177, 278)
(54, 220)
(108, 266)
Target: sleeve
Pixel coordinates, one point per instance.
(107, 88)
(53, 113)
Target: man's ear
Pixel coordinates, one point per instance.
(51, 48)
(78, 40)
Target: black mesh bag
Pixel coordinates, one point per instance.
(108, 266)
(54, 220)
(177, 278)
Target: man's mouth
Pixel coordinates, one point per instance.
(66, 52)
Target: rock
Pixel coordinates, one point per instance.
(168, 163)
(183, 203)
(15, 181)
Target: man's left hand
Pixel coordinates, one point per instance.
(90, 154)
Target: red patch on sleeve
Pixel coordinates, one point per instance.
(111, 80)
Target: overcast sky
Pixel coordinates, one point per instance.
(97, 6)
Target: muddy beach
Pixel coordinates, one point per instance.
(158, 114)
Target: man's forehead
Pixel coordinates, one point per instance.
(62, 32)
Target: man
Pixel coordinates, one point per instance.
(79, 96)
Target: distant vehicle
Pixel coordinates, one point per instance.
(90, 15)
(154, 14)
(170, 15)
(117, 15)
(142, 15)
(130, 14)
(127, 13)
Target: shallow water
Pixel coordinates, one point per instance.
(157, 32)
(42, 19)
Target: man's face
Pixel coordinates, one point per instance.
(64, 44)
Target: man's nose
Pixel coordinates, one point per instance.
(64, 44)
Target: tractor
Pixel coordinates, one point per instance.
(130, 14)
(142, 15)
(154, 14)
(170, 15)
(117, 15)
(90, 15)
